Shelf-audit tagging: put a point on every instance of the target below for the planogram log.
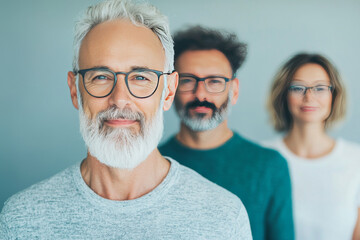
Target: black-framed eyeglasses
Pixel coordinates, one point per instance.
(319, 90)
(213, 84)
(100, 82)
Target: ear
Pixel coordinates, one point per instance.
(235, 88)
(172, 83)
(71, 80)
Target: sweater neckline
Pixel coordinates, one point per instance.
(231, 141)
(319, 160)
(145, 201)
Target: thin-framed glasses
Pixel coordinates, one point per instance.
(100, 82)
(213, 84)
(319, 90)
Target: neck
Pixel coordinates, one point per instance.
(122, 184)
(205, 139)
(309, 140)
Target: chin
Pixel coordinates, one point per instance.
(311, 120)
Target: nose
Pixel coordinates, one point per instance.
(308, 94)
(120, 95)
(200, 91)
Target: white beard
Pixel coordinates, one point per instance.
(199, 125)
(122, 148)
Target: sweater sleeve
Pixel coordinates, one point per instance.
(4, 233)
(243, 231)
(279, 217)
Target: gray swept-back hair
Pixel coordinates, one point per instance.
(140, 14)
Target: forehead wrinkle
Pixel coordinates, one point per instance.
(135, 67)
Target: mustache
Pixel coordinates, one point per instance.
(198, 103)
(114, 112)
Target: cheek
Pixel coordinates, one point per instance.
(147, 106)
(292, 103)
(327, 103)
(219, 101)
(93, 106)
(182, 99)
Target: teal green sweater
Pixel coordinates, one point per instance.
(257, 175)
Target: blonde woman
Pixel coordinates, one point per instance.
(306, 98)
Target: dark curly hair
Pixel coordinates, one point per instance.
(201, 38)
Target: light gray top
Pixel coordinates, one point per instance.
(184, 206)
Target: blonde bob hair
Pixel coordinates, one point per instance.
(277, 102)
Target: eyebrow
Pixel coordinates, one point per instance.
(132, 68)
(139, 67)
(193, 75)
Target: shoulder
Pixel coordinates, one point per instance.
(33, 200)
(262, 153)
(349, 150)
(201, 191)
(350, 146)
(274, 143)
(212, 205)
(192, 178)
(168, 144)
(260, 147)
(50, 187)
(216, 203)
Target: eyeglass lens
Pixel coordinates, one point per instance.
(320, 90)
(100, 83)
(212, 84)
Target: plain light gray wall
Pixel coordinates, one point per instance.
(39, 133)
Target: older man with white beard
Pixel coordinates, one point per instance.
(121, 82)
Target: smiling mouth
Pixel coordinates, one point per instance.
(308, 109)
(202, 109)
(120, 122)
